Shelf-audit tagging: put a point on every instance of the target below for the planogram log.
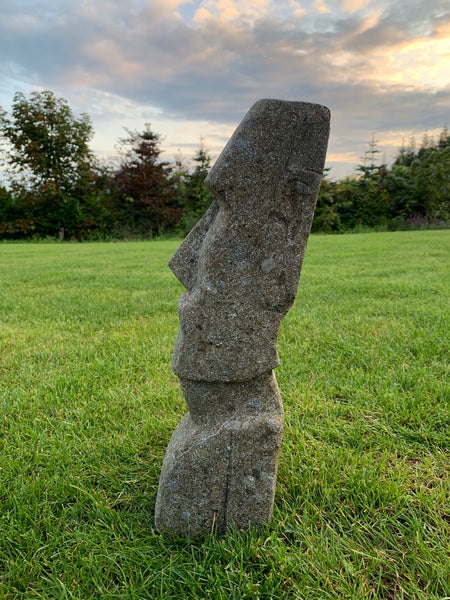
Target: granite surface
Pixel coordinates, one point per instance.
(240, 266)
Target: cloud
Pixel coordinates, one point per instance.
(231, 10)
(24, 24)
(351, 6)
(201, 14)
(380, 69)
(321, 6)
(298, 11)
(110, 57)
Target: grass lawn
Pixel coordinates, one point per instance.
(88, 404)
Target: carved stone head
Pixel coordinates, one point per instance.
(241, 264)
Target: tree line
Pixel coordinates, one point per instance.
(413, 193)
(55, 187)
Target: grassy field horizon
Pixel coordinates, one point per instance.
(88, 404)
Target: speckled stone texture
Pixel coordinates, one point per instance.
(240, 266)
(221, 463)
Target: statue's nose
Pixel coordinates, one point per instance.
(184, 263)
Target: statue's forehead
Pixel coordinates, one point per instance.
(281, 133)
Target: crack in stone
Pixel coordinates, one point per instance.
(227, 482)
(206, 438)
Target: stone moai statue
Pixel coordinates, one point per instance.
(240, 266)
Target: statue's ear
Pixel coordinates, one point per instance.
(293, 207)
(184, 263)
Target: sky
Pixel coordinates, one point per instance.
(192, 68)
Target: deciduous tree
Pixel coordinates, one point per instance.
(49, 159)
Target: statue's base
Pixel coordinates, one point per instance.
(220, 466)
